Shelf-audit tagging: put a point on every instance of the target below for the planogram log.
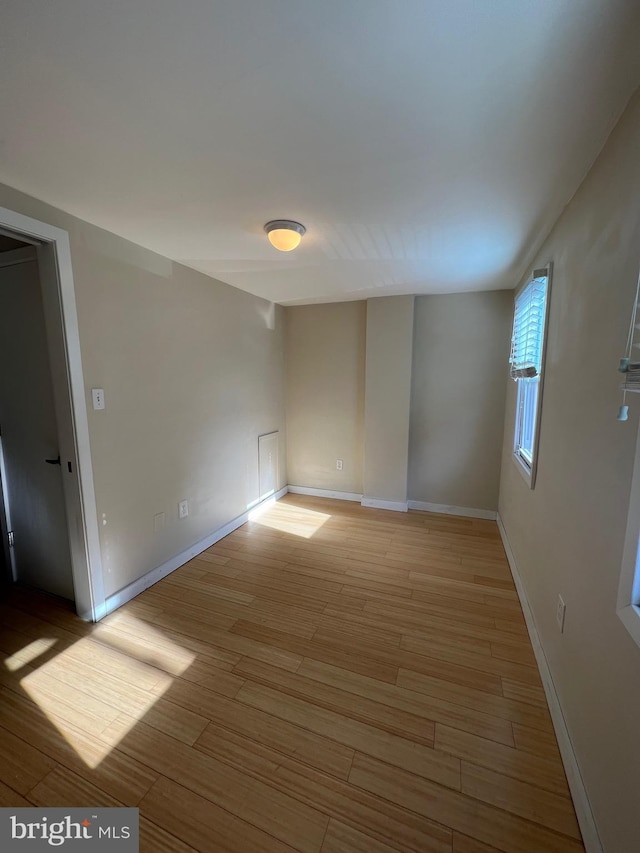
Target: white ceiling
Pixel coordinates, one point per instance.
(427, 145)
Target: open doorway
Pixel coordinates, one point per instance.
(49, 512)
(6, 571)
(30, 468)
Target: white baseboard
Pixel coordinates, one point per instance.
(324, 493)
(579, 795)
(150, 578)
(446, 509)
(396, 506)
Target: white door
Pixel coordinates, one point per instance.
(33, 485)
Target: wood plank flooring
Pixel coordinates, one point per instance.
(326, 679)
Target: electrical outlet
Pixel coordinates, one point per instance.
(158, 521)
(97, 396)
(183, 509)
(560, 611)
(338, 464)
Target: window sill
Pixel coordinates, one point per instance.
(630, 617)
(524, 469)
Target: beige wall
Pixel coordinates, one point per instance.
(325, 357)
(193, 372)
(567, 534)
(460, 352)
(387, 397)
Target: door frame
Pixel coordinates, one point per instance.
(8, 575)
(63, 342)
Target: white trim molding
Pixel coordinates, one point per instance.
(446, 509)
(396, 506)
(324, 493)
(628, 608)
(152, 577)
(579, 795)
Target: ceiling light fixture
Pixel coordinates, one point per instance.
(284, 234)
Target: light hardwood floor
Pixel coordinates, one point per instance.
(326, 678)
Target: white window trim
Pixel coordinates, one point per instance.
(629, 589)
(527, 471)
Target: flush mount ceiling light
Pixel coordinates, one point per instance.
(284, 234)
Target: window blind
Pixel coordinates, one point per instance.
(528, 328)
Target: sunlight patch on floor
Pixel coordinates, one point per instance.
(29, 653)
(292, 519)
(95, 691)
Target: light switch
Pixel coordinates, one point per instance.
(97, 395)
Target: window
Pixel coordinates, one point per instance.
(527, 366)
(629, 589)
